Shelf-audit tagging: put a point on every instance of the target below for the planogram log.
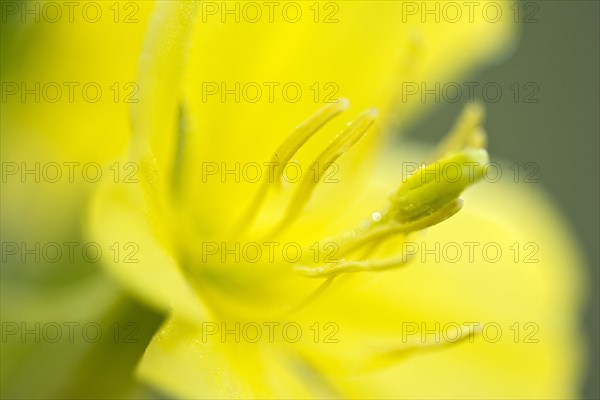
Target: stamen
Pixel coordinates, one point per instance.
(286, 151)
(303, 132)
(478, 139)
(313, 296)
(376, 236)
(434, 186)
(351, 266)
(466, 132)
(382, 232)
(342, 143)
(426, 198)
(392, 356)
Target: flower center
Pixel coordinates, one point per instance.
(426, 198)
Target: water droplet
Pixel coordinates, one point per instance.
(376, 216)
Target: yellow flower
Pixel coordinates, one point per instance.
(199, 226)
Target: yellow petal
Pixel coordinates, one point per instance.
(533, 296)
(187, 362)
(197, 121)
(119, 221)
(538, 354)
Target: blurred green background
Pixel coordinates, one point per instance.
(559, 53)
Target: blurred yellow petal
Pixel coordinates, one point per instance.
(530, 299)
(184, 363)
(67, 86)
(221, 92)
(211, 100)
(119, 217)
(529, 291)
(182, 128)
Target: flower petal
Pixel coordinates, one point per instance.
(532, 296)
(119, 221)
(261, 61)
(183, 362)
(534, 304)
